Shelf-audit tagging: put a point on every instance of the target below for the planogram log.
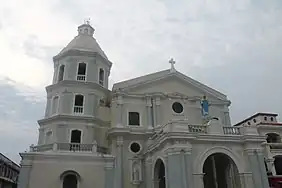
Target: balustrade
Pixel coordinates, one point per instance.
(231, 130)
(70, 147)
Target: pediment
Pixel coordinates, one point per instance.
(174, 84)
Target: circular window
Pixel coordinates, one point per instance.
(135, 147)
(177, 107)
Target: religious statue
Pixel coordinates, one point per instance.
(205, 107)
(135, 172)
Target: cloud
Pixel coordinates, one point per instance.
(233, 46)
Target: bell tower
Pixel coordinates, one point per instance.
(80, 81)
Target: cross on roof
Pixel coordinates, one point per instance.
(172, 62)
(87, 21)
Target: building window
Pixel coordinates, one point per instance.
(81, 72)
(271, 119)
(265, 118)
(255, 120)
(101, 77)
(70, 181)
(55, 105)
(133, 118)
(249, 123)
(75, 136)
(48, 137)
(78, 104)
(135, 147)
(61, 73)
(177, 107)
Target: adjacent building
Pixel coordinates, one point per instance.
(161, 130)
(9, 172)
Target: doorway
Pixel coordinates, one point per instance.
(159, 174)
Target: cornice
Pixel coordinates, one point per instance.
(74, 83)
(65, 117)
(125, 131)
(73, 52)
(68, 156)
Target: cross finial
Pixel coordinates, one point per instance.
(172, 62)
(87, 21)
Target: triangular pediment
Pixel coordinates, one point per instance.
(172, 83)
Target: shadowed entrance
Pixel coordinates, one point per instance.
(220, 172)
(159, 174)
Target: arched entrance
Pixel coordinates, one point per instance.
(278, 164)
(70, 179)
(159, 174)
(220, 172)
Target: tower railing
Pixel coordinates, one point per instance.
(69, 147)
(78, 109)
(80, 77)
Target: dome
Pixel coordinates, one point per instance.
(84, 41)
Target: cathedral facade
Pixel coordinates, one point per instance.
(161, 130)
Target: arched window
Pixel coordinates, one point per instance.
(55, 105)
(78, 104)
(70, 179)
(61, 73)
(101, 77)
(81, 71)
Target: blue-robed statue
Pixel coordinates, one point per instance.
(205, 107)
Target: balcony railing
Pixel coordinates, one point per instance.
(78, 109)
(80, 77)
(70, 147)
(231, 130)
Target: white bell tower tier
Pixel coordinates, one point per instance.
(76, 98)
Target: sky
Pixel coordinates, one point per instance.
(232, 46)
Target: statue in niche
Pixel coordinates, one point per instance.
(135, 172)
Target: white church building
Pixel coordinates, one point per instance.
(161, 130)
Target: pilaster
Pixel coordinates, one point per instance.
(198, 180)
(119, 163)
(24, 175)
(149, 114)
(177, 161)
(109, 174)
(149, 175)
(158, 111)
(120, 111)
(256, 166)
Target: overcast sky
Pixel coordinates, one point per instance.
(232, 46)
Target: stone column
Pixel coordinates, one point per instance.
(120, 111)
(25, 171)
(109, 174)
(158, 111)
(149, 114)
(198, 180)
(149, 175)
(174, 169)
(119, 163)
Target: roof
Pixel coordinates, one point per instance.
(163, 74)
(256, 115)
(9, 161)
(84, 41)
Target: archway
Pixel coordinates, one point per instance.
(159, 174)
(278, 164)
(220, 172)
(70, 179)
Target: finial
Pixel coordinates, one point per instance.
(172, 62)
(87, 21)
